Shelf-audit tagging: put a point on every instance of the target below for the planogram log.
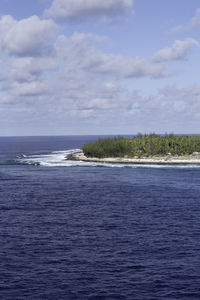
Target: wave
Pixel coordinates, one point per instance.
(62, 159)
(52, 159)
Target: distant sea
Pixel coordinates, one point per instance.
(74, 230)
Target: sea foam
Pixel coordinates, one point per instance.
(62, 159)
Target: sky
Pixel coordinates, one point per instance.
(99, 67)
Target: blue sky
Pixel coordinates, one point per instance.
(99, 67)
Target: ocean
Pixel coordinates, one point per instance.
(78, 230)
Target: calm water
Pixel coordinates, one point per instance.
(72, 230)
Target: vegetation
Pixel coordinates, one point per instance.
(108, 147)
(143, 146)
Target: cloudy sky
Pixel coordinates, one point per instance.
(99, 66)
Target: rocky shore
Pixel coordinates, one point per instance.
(165, 160)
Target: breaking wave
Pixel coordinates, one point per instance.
(62, 159)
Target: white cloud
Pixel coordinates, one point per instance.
(78, 37)
(31, 68)
(23, 93)
(176, 29)
(127, 68)
(26, 36)
(75, 76)
(80, 9)
(185, 100)
(186, 94)
(90, 60)
(178, 51)
(34, 88)
(195, 21)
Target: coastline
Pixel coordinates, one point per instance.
(161, 160)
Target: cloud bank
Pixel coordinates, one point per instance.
(45, 72)
(40, 67)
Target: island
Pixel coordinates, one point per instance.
(143, 149)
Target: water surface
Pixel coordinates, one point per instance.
(73, 230)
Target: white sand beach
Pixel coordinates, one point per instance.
(169, 159)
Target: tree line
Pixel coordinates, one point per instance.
(143, 145)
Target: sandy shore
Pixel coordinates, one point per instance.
(165, 160)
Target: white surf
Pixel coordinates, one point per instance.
(62, 159)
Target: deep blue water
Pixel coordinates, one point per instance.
(93, 231)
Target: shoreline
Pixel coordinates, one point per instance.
(158, 160)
